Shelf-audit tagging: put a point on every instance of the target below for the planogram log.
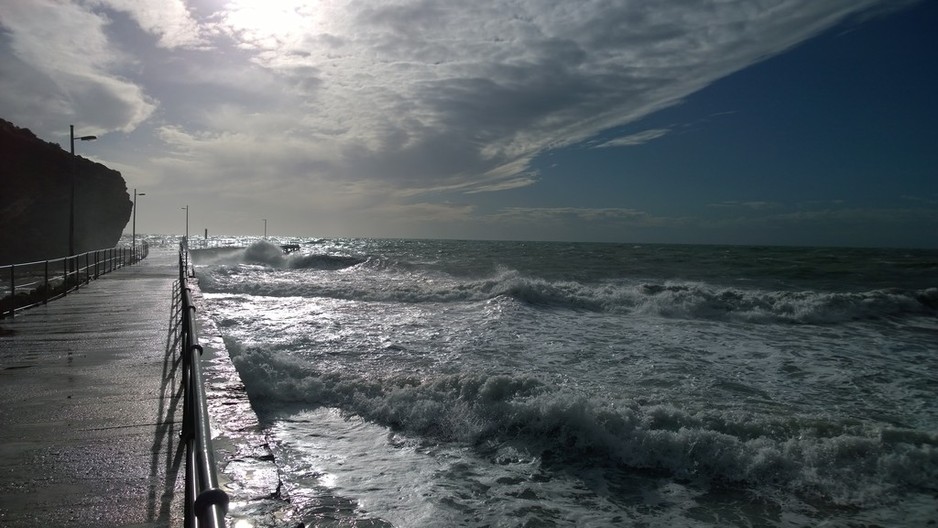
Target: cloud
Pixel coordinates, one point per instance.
(634, 140)
(382, 106)
(170, 20)
(754, 205)
(56, 59)
(523, 181)
(468, 93)
(425, 212)
(931, 199)
(563, 215)
(859, 216)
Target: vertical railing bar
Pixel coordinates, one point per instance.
(13, 290)
(46, 289)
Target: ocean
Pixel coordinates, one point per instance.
(424, 383)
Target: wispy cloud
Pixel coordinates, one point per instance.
(633, 140)
(858, 216)
(929, 199)
(611, 215)
(753, 205)
(854, 217)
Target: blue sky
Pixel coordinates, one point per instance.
(775, 122)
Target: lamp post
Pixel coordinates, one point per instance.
(265, 228)
(187, 225)
(71, 208)
(134, 228)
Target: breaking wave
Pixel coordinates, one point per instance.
(848, 464)
(269, 255)
(372, 282)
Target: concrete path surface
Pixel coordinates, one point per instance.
(90, 407)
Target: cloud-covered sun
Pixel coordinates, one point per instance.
(271, 23)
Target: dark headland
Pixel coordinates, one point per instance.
(35, 191)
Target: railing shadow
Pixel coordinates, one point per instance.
(168, 423)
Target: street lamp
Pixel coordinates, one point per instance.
(134, 235)
(71, 209)
(265, 228)
(187, 224)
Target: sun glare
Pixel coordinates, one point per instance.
(262, 20)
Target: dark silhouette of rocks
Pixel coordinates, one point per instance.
(35, 189)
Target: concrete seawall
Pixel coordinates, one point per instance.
(248, 471)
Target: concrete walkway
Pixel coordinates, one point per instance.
(90, 407)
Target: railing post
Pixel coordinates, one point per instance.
(45, 286)
(12, 290)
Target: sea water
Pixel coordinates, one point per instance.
(418, 383)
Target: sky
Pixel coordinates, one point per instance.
(791, 122)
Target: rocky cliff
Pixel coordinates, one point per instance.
(35, 191)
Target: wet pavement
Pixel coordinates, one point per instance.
(90, 408)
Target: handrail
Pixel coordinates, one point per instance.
(30, 283)
(211, 243)
(205, 503)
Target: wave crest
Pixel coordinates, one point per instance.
(264, 253)
(376, 280)
(846, 463)
(701, 301)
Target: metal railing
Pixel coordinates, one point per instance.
(215, 242)
(30, 284)
(205, 503)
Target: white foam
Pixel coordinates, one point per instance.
(356, 278)
(851, 467)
